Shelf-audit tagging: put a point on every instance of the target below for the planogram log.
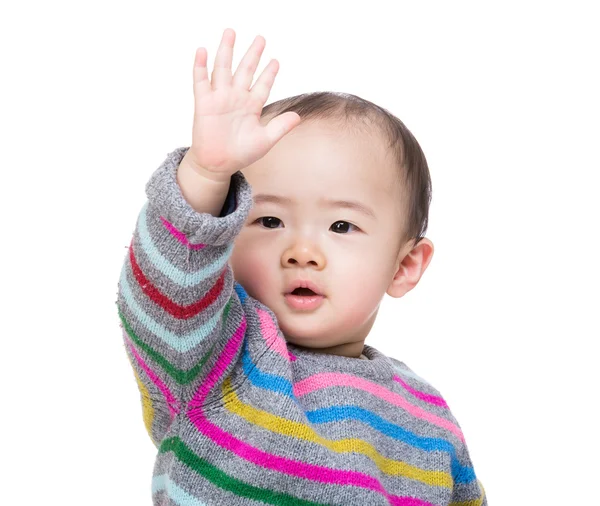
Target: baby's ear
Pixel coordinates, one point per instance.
(411, 268)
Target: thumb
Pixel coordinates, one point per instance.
(281, 125)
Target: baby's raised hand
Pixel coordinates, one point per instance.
(227, 134)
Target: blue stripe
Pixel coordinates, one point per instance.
(174, 492)
(279, 384)
(460, 474)
(410, 374)
(265, 380)
(241, 292)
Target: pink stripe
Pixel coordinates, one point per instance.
(431, 399)
(294, 467)
(325, 380)
(180, 236)
(172, 403)
(411, 501)
(217, 371)
(267, 460)
(271, 334)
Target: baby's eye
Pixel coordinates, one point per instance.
(268, 219)
(343, 228)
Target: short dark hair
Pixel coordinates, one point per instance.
(350, 110)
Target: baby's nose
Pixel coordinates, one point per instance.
(303, 256)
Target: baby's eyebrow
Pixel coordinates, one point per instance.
(346, 204)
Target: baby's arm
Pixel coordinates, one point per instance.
(467, 489)
(176, 299)
(203, 194)
(183, 322)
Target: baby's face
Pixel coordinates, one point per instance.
(350, 255)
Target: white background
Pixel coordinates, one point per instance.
(503, 98)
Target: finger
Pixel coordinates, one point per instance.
(201, 82)
(264, 83)
(247, 67)
(221, 74)
(281, 125)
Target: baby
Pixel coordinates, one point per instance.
(253, 278)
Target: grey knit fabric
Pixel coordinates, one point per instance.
(241, 417)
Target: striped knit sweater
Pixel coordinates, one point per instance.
(241, 417)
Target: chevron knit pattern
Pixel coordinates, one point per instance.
(241, 417)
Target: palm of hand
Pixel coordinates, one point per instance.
(227, 133)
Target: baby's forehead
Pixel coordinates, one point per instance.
(351, 135)
(329, 154)
(338, 125)
(369, 196)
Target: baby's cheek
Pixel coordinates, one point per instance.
(358, 308)
(250, 269)
(362, 297)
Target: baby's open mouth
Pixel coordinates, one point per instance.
(303, 292)
(303, 299)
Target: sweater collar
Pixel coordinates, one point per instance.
(377, 367)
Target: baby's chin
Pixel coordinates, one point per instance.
(301, 327)
(304, 335)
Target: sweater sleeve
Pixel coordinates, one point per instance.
(177, 300)
(467, 488)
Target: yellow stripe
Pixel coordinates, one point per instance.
(474, 502)
(299, 430)
(147, 408)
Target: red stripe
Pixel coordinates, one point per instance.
(177, 310)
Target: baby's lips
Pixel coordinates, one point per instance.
(303, 283)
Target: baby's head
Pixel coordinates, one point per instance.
(341, 201)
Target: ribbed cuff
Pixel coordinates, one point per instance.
(164, 194)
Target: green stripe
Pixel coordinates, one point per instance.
(226, 482)
(179, 375)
